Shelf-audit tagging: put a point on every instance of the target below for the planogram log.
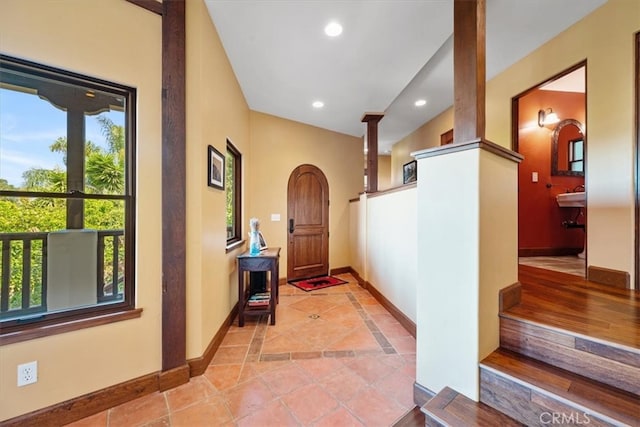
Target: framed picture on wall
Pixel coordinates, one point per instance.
(215, 169)
(410, 172)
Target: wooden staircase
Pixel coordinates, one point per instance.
(569, 355)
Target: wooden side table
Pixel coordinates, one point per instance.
(268, 260)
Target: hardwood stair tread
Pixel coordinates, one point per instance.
(600, 398)
(579, 306)
(450, 408)
(412, 418)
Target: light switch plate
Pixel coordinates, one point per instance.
(275, 217)
(534, 176)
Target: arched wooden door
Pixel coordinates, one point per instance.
(308, 223)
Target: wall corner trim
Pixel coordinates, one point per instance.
(478, 143)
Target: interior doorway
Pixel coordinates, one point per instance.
(549, 129)
(308, 223)
(637, 174)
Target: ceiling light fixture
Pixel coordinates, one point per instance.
(420, 102)
(547, 117)
(333, 29)
(318, 104)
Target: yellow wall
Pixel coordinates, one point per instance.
(116, 41)
(216, 111)
(605, 38)
(278, 146)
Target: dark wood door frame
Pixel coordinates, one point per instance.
(175, 370)
(637, 166)
(173, 195)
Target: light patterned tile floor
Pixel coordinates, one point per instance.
(565, 264)
(335, 357)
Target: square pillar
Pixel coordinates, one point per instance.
(467, 252)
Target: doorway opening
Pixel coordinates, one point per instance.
(549, 129)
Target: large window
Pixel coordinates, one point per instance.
(233, 184)
(66, 195)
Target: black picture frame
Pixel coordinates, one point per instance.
(410, 172)
(215, 168)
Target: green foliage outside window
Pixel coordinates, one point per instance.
(104, 174)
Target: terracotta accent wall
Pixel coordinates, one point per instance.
(539, 216)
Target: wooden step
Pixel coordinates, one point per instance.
(575, 304)
(413, 418)
(536, 393)
(450, 408)
(580, 326)
(603, 361)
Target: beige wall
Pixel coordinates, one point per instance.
(60, 34)
(384, 172)
(278, 146)
(605, 38)
(216, 111)
(426, 136)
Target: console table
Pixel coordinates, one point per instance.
(268, 260)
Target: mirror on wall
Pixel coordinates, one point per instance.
(567, 149)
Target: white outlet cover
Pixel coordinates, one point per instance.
(275, 217)
(27, 373)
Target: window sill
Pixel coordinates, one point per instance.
(235, 245)
(68, 326)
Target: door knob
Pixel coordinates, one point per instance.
(290, 225)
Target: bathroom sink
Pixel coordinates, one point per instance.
(571, 200)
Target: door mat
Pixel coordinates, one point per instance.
(317, 283)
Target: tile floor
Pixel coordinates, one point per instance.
(565, 264)
(335, 357)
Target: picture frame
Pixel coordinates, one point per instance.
(215, 168)
(410, 172)
(263, 243)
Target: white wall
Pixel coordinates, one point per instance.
(468, 235)
(391, 252)
(383, 245)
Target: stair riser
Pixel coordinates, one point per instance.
(607, 364)
(532, 407)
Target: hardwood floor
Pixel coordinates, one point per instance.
(569, 350)
(573, 303)
(528, 385)
(450, 408)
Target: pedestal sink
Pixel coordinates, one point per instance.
(571, 200)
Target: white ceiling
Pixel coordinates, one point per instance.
(572, 82)
(391, 53)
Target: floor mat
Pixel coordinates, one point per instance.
(317, 283)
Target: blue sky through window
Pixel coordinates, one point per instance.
(29, 125)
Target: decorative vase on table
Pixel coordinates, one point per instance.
(254, 237)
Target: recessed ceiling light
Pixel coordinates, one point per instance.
(333, 29)
(318, 104)
(420, 102)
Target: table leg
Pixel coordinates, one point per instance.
(240, 297)
(274, 294)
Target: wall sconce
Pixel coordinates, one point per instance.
(547, 117)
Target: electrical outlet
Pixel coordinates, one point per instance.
(27, 373)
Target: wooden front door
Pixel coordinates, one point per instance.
(308, 223)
